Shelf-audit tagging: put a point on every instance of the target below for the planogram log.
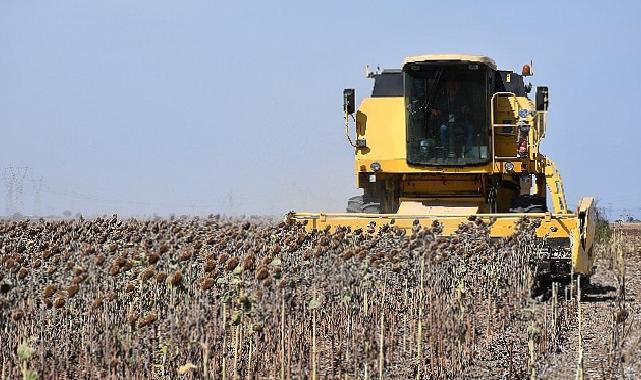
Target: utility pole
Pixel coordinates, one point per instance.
(13, 177)
(8, 193)
(230, 202)
(37, 194)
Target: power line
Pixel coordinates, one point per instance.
(93, 198)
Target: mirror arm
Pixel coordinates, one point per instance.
(347, 129)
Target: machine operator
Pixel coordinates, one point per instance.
(450, 112)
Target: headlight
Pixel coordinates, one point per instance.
(375, 166)
(509, 167)
(523, 113)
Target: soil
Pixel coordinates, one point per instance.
(611, 320)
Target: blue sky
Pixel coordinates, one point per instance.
(142, 107)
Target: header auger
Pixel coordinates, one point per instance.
(450, 136)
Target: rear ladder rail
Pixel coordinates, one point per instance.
(501, 125)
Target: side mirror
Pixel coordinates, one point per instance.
(348, 101)
(542, 100)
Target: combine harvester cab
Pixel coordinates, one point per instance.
(449, 138)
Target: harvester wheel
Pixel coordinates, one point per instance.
(529, 204)
(357, 205)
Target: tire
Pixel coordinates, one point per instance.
(357, 205)
(529, 204)
(372, 208)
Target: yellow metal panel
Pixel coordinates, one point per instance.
(555, 185)
(438, 207)
(462, 184)
(504, 225)
(381, 122)
(583, 239)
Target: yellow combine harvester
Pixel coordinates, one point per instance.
(449, 136)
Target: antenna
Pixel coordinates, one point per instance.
(369, 73)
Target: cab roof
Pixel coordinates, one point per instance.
(472, 58)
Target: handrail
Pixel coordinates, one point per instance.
(495, 96)
(541, 117)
